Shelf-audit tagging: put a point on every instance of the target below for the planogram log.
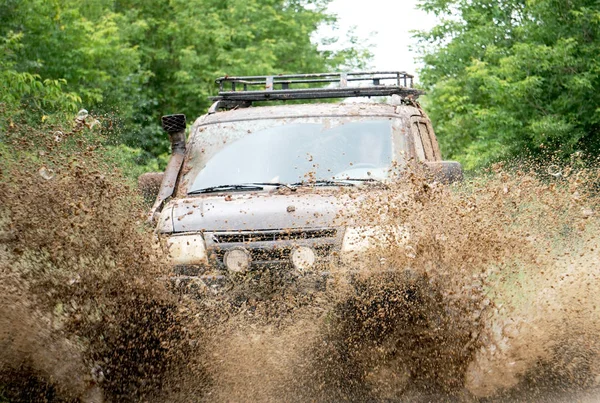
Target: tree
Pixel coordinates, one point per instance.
(134, 60)
(26, 96)
(513, 77)
(189, 43)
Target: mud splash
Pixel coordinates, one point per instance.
(82, 314)
(492, 297)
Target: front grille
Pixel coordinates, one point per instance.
(274, 246)
(267, 236)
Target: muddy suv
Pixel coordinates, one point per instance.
(273, 186)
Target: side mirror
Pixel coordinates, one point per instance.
(149, 185)
(445, 171)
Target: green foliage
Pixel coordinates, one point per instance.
(513, 77)
(187, 44)
(132, 61)
(132, 161)
(26, 96)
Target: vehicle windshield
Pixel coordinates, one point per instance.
(271, 151)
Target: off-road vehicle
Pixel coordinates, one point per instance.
(266, 182)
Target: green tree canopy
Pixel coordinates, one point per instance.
(513, 77)
(139, 59)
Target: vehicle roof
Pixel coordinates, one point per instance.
(311, 110)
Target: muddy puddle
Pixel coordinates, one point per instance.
(492, 297)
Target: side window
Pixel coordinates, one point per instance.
(425, 147)
(426, 140)
(419, 149)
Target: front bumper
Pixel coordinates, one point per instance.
(270, 252)
(273, 248)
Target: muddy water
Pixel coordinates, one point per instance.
(487, 291)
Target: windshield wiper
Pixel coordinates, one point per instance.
(261, 185)
(277, 185)
(226, 187)
(363, 180)
(324, 183)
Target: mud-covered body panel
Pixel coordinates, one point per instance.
(259, 211)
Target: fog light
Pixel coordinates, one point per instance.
(237, 260)
(303, 258)
(187, 249)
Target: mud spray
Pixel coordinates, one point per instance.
(486, 291)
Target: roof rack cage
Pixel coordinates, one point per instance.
(315, 86)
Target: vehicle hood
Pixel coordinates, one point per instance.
(248, 212)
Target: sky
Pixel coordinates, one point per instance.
(388, 24)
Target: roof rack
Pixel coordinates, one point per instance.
(315, 86)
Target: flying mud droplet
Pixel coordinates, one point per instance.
(93, 123)
(46, 173)
(82, 115)
(74, 280)
(587, 212)
(554, 170)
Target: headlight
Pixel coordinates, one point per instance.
(358, 239)
(187, 249)
(303, 258)
(237, 260)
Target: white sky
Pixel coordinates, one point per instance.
(388, 24)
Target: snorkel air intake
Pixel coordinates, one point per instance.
(174, 125)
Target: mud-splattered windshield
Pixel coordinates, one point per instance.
(275, 151)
